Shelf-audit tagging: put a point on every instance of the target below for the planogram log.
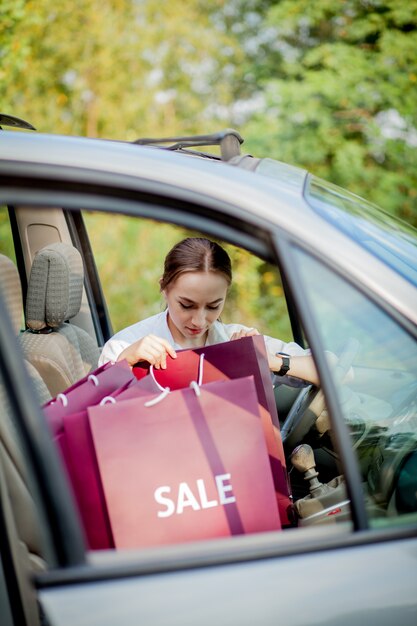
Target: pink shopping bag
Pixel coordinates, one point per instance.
(191, 466)
(226, 361)
(87, 391)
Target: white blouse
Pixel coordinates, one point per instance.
(158, 325)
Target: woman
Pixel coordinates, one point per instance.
(197, 275)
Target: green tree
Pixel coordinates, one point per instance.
(114, 68)
(341, 101)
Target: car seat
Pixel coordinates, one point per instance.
(21, 527)
(20, 524)
(12, 292)
(60, 351)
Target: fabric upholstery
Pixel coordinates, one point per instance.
(12, 293)
(11, 454)
(21, 558)
(16, 477)
(60, 351)
(42, 392)
(23, 526)
(55, 286)
(60, 292)
(61, 357)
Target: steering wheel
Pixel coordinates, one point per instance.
(311, 402)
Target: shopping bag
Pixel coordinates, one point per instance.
(191, 466)
(87, 391)
(222, 361)
(226, 361)
(68, 421)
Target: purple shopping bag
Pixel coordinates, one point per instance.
(67, 418)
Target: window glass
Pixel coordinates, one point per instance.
(292, 177)
(392, 240)
(380, 403)
(130, 257)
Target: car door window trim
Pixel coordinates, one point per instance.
(284, 250)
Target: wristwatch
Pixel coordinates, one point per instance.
(285, 363)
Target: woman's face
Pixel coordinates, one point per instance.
(195, 300)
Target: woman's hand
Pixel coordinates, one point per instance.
(251, 332)
(152, 349)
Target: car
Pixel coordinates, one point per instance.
(336, 274)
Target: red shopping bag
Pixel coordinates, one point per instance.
(192, 466)
(68, 421)
(230, 360)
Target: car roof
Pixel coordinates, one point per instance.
(279, 201)
(150, 162)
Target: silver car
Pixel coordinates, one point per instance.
(345, 282)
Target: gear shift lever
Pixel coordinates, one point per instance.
(319, 505)
(303, 460)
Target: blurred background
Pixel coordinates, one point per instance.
(329, 86)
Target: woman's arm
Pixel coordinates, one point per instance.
(301, 366)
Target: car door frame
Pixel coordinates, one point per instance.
(74, 569)
(94, 190)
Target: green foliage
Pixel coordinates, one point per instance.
(335, 83)
(113, 68)
(130, 276)
(342, 101)
(330, 86)
(13, 50)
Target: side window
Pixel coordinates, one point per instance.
(6, 240)
(130, 258)
(380, 403)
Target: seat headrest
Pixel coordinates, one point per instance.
(55, 286)
(12, 291)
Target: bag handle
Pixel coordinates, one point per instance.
(166, 390)
(199, 378)
(196, 387)
(63, 398)
(107, 400)
(162, 395)
(92, 378)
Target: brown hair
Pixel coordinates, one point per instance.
(195, 254)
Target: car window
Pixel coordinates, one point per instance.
(133, 251)
(289, 176)
(379, 403)
(392, 240)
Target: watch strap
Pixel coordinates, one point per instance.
(285, 363)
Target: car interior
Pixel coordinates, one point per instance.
(62, 353)
(60, 317)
